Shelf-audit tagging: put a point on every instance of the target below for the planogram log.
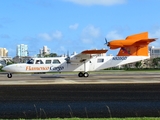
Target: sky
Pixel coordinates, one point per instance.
(75, 25)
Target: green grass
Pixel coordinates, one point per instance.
(134, 71)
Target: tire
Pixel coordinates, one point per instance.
(85, 74)
(9, 75)
(80, 74)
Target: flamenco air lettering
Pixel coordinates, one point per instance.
(29, 68)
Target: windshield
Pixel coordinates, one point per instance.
(30, 61)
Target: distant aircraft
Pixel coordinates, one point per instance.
(134, 48)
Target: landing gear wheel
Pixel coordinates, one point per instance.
(85, 74)
(80, 74)
(9, 75)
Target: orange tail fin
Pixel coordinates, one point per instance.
(141, 50)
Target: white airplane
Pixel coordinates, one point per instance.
(134, 48)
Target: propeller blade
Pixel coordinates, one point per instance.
(107, 43)
(68, 57)
(106, 40)
(67, 53)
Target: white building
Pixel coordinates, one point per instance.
(22, 50)
(44, 51)
(154, 52)
(3, 52)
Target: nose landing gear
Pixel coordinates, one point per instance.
(9, 75)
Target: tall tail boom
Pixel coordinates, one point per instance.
(134, 45)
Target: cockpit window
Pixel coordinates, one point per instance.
(39, 62)
(30, 61)
(56, 61)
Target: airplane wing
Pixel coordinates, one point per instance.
(86, 55)
(94, 51)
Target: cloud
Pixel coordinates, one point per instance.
(114, 35)
(85, 40)
(97, 2)
(45, 36)
(62, 48)
(89, 33)
(155, 34)
(57, 35)
(74, 26)
(29, 38)
(50, 36)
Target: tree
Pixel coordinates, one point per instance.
(10, 62)
(51, 55)
(138, 64)
(156, 61)
(126, 66)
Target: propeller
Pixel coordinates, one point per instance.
(107, 43)
(68, 58)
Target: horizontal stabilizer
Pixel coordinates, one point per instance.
(145, 41)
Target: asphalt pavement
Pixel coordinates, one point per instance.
(66, 95)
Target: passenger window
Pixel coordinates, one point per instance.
(48, 61)
(100, 60)
(56, 62)
(41, 62)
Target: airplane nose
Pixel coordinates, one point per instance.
(5, 68)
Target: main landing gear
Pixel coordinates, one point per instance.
(81, 74)
(9, 75)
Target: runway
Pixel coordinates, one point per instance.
(94, 78)
(111, 94)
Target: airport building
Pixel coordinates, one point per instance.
(154, 52)
(22, 50)
(3, 52)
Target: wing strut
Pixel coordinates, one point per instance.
(88, 53)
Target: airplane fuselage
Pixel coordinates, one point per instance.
(59, 64)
